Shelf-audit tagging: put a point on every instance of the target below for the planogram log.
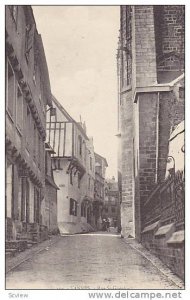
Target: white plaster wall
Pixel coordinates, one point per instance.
(61, 179)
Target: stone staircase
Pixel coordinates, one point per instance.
(30, 235)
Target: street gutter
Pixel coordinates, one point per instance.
(15, 261)
(155, 261)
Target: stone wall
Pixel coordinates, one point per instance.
(169, 24)
(148, 103)
(144, 49)
(170, 37)
(127, 220)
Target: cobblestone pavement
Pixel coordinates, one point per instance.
(88, 261)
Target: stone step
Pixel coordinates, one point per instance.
(32, 242)
(11, 250)
(19, 245)
(10, 253)
(22, 238)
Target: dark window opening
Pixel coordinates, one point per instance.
(36, 206)
(80, 145)
(71, 177)
(73, 207)
(79, 180)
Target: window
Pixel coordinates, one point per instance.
(89, 183)
(73, 207)
(80, 145)
(19, 109)
(10, 90)
(126, 58)
(79, 180)
(14, 12)
(71, 177)
(36, 205)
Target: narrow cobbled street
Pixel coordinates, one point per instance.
(88, 261)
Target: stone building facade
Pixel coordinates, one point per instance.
(111, 207)
(73, 164)
(150, 106)
(27, 96)
(99, 189)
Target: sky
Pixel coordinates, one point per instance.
(80, 44)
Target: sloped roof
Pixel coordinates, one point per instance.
(67, 115)
(101, 157)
